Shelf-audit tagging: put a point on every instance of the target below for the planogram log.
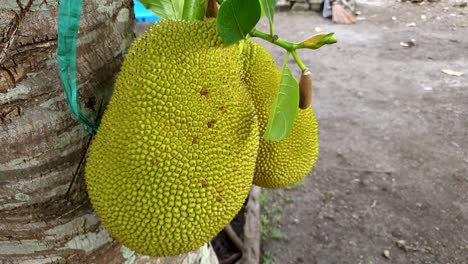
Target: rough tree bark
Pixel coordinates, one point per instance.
(41, 143)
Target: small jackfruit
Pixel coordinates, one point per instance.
(305, 90)
(288, 161)
(174, 157)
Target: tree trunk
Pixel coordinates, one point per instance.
(41, 143)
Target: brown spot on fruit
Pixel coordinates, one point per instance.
(195, 140)
(204, 183)
(219, 198)
(211, 123)
(154, 162)
(204, 92)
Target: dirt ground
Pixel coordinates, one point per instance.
(392, 177)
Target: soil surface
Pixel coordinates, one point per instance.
(391, 183)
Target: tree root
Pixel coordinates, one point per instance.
(250, 245)
(235, 238)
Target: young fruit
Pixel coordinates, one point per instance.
(305, 90)
(286, 162)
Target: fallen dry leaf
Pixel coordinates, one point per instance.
(408, 44)
(452, 73)
(386, 254)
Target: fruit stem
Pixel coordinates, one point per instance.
(212, 9)
(298, 60)
(289, 46)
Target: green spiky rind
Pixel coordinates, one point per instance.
(174, 157)
(286, 162)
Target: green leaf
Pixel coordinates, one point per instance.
(284, 109)
(236, 18)
(268, 7)
(165, 9)
(194, 9)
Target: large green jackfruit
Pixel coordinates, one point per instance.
(288, 161)
(174, 157)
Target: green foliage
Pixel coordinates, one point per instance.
(272, 214)
(194, 9)
(278, 235)
(267, 259)
(264, 221)
(268, 7)
(275, 210)
(236, 18)
(263, 197)
(165, 9)
(288, 200)
(177, 9)
(278, 219)
(284, 109)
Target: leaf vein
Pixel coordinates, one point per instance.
(235, 18)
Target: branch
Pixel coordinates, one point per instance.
(235, 238)
(289, 46)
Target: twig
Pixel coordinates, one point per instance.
(85, 152)
(287, 45)
(235, 238)
(230, 259)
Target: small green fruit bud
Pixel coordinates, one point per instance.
(318, 41)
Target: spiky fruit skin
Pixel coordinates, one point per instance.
(174, 157)
(286, 162)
